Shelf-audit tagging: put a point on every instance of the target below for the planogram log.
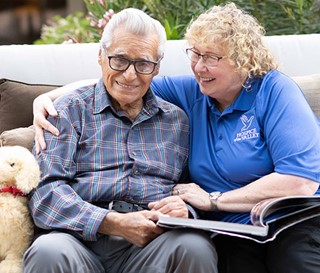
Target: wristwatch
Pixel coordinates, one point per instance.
(214, 196)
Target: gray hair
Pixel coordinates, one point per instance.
(137, 22)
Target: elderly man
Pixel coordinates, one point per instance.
(110, 172)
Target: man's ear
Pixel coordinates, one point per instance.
(156, 70)
(100, 57)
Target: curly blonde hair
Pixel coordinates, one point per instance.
(237, 32)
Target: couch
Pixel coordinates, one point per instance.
(27, 71)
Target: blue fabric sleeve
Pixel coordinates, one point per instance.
(290, 128)
(179, 90)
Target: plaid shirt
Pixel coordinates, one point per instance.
(100, 156)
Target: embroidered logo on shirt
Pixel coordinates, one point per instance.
(246, 133)
(246, 122)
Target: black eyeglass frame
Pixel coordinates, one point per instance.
(133, 62)
(203, 56)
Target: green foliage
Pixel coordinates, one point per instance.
(98, 15)
(174, 15)
(278, 17)
(285, 16)
(74, 28)
(116, 5)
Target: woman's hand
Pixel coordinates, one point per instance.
(172, 206)
(192, 194)
(243, 199)
(42, 107)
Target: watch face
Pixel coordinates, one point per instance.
(215, 195)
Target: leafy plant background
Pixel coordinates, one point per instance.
(279, 17)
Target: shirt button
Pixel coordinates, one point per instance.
(134, 153)
(136, 172)
(220, 137)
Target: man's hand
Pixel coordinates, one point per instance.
(173, 206)
(42, 107)
(139, 228)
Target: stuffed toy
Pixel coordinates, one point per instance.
(19, 174)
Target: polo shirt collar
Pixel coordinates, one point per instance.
(243, 102)
(102, 100)
(247, 96)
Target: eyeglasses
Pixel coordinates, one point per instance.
(209, 60)
(141, 66)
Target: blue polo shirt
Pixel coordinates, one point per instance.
(269, 128)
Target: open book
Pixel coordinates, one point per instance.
(268, 218)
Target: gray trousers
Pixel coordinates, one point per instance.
(175, 251)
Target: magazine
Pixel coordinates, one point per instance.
(268, 218)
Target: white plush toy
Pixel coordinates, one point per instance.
(19, 174)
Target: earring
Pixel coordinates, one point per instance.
(247, 84)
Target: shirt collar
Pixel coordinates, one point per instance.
(102, 100)
(247, 96)
(244, 101)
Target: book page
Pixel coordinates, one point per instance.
(270, 216)
(273, 208)
(213, 226)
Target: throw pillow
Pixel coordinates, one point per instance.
(22, 136)
(16, 99)
(310, 85)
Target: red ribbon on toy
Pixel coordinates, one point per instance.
(15, 191)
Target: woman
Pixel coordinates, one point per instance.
(253, 137)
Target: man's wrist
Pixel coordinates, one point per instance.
(109, 223)
(214, 197)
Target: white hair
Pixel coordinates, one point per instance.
(137, 22)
